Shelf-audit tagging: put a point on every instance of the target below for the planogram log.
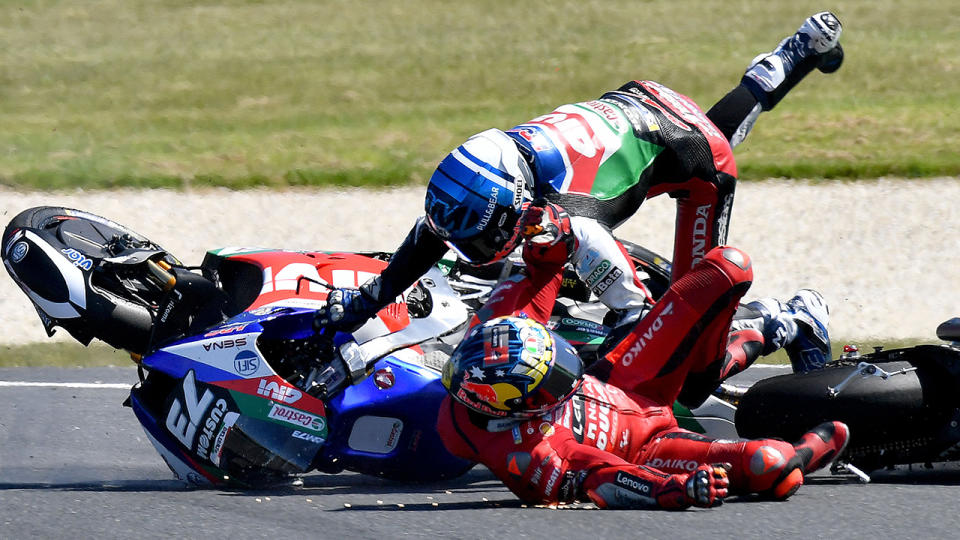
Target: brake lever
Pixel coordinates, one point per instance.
(864, 370)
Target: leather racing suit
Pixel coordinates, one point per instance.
(616, 442)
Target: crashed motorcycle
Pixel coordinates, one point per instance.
(237, 387)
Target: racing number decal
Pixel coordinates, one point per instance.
(288, 277)
(573, 130)
(582, 150)
(349, 278)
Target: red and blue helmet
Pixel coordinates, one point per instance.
(476, 195)
(512, 367)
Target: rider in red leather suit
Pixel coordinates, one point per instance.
(616, 441)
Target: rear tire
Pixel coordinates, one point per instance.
(905, 418)
(119, 299)
(51, 217)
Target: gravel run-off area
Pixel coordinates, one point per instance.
(883, 252)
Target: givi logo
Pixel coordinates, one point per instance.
(278, 392)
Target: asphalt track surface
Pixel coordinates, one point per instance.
(74, 463)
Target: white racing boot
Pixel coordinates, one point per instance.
(815, 45)
(810, 349)
(798, 326)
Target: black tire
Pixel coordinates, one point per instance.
(656, 267)
(905, 418)
(52, 217)
(113, 312)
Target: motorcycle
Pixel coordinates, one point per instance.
(236, 386)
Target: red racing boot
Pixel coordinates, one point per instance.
(822, 445)
(770, 468)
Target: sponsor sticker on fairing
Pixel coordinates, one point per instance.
(218, 345)
(186, 413)
(307, 437)
(217, 450)
(278, 391)
(77, 258)
(228, 329)
(583, 324)
(375, 434)
(207, 432)
(246, 363)
(296, 417)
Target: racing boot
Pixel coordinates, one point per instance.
(798, 326)
(772, 469)
(815, 45)
(822, 445)
(809, 349)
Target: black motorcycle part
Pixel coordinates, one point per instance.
(90, 276)
(656, 267)
(905, 418)
(240, 281)
(949, 330)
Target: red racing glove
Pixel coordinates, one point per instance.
(706, 486)
(547, 234)
(637, 486)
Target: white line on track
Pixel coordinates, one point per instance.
(66, 385)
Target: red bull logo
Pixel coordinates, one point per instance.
(496, 395)
(482, 391)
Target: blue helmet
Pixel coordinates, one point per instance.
(512, 367)
(476, 195)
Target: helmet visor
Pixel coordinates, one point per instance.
(562, 381)
(493, 243)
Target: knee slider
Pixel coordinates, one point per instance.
(733, 262)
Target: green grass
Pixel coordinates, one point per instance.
(780, 357)
(242, 93)
(62, 354)
(74, 355)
